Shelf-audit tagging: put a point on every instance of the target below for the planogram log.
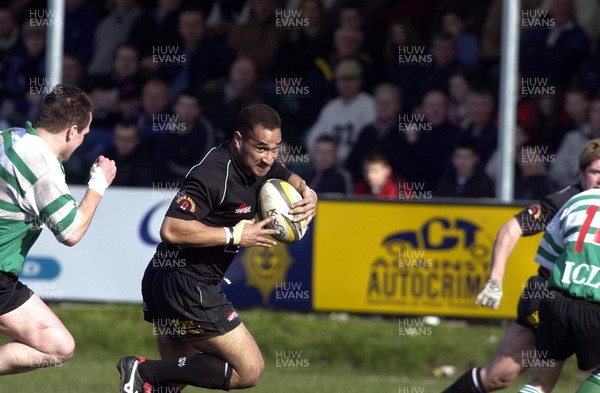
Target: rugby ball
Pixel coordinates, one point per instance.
(274, 200)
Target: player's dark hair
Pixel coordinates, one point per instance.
(255, 115)
(376, 157)
(62, 108)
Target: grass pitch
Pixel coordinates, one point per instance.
(303, 352)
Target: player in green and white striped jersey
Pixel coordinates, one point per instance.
(570, 248)
(34, 194)
(570, 319)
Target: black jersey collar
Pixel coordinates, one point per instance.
(248, 179)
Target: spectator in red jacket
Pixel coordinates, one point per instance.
(379, 180)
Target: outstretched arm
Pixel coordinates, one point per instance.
(506, 241)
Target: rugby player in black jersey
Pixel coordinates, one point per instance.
(520, 336)
(212, 216)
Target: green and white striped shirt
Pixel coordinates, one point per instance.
(570, 248)
(33, 194)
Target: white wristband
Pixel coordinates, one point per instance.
(227, 236)
(97, 180)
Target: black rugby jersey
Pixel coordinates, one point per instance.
(218, 194)
(536, 217)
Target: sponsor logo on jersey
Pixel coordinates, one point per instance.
(243, 209)
(231, 315)
(535, 210)
(186, 203)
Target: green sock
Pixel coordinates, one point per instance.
(592, 384)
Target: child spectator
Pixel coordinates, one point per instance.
(379, 180)
(464, 179)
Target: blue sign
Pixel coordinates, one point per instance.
(40, 268)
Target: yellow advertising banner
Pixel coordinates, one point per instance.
(416, 259)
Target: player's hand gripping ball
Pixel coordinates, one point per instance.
(275, 198)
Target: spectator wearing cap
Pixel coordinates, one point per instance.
(320, 77)
(345, 116)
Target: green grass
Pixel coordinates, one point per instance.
(361, 354)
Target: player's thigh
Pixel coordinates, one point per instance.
(237, 347)
(509, 354)
(34, 324)
(170, 348)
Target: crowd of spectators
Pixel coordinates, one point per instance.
(375, 97)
